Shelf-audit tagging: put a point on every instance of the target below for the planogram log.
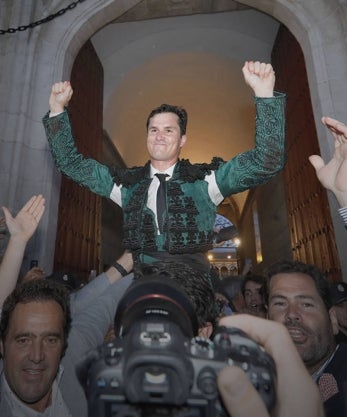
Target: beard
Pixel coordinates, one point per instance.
(314, 348)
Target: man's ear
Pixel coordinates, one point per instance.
(333, 320)
(206, 331)
(183, 140)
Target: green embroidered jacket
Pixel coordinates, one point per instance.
(189, 221)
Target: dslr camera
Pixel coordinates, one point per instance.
(155, 367)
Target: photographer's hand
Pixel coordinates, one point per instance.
(240, 397)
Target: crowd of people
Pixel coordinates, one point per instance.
(47, 331)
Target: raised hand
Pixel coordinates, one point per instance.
(333, 175)
(60, 96)
(260, 77)
(21, 228)
(25, 223)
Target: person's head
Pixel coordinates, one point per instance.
(166, 134)
(224, 307)
(338, 292)
(194, 284)
(299, 298)
(34, 327)
(253, 290)
(231, 288)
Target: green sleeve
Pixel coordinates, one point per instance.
(86, 172)
(266, 159)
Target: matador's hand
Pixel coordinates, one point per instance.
(260, 77)
(60, 96)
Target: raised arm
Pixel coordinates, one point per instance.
(21, 228)
(85, 171)
(267, 158)
(90, 293)
(333, 175)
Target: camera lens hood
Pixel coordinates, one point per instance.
(155, 296)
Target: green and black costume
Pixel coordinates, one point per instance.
(189, 221)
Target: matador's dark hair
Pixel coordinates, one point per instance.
(180, 112)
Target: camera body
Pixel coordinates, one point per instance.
(155, 370)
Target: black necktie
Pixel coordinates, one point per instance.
(161, 200)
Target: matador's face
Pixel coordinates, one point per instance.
(164, 140)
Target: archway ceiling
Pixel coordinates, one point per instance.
(152, 9)
(194, 59)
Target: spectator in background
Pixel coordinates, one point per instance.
(299, 297)
(229, 295)
(338, 292)
(253, 290)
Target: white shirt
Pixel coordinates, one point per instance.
(57, 407)
(213, 189)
